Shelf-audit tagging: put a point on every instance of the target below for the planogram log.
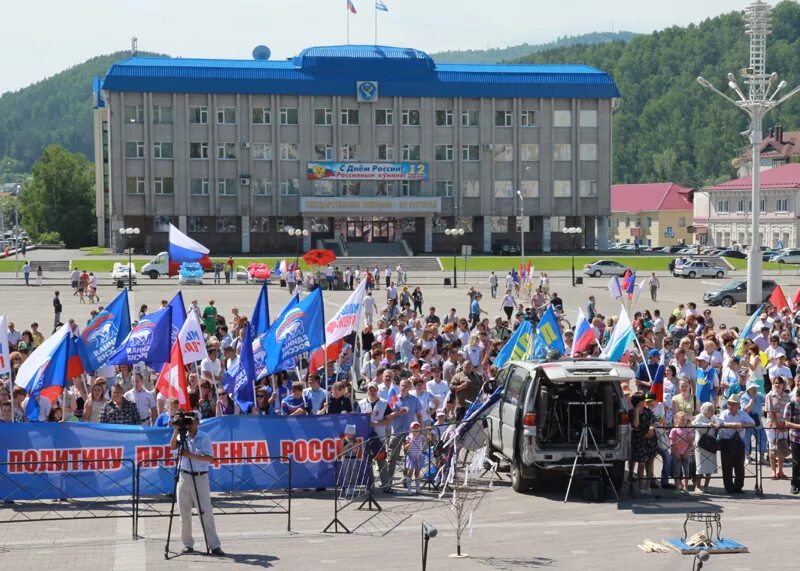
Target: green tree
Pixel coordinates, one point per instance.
(60, 198)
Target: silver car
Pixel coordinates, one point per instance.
(605, 268)
(700, 269)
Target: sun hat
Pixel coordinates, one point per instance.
(735, 399)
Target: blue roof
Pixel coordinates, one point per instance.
(333, 70)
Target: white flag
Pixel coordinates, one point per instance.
(193, 344)
(346, 319)
(614, 288)
(5, 361)
(638, 291)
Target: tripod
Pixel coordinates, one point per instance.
(583, 450)
(183, 436)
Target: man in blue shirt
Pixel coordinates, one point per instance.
(314, 395)
(295, 404)
(753, 405)
(733, 422)
(475, 310)
(651, 373)
(407, 410)
(173, 406)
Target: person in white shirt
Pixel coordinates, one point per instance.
(144, 400)
(212, 365)
(509, 281)
(774, 350)
(779, 369)
(369, 308)
(438, 386)
(387, 276)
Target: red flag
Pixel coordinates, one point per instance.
(528, 271)
(777, 299)
(796, 299)
(172, 380)
(318, 356)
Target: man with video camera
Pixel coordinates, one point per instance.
(193, 487)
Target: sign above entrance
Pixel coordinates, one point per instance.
(367, 171)
(354, 206)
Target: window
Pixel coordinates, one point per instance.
(502, 118)
(562, 188)
(444, 117)
(323, 116)
(290, 187)
(562, 118)
(162, 114)
(411, 117)
(722, 206)
(588, 118)
(411, 152)
(262, 187)
(384, 117)
(226, 151)
(682, 222)
(349, 152)
(527, 118)
(470, 118)
(762, 205)
(470, 153)
(444, 152)
(529, 152)
(226, 224)
(227, 186)
(261, 151)
(163, 185)
(503, 189)
(323, 152)
(322, 187)
(289, 151)
(385, 152)
(444, 188)
(499, 224)
(198, 115)
(198, 150)
(740, 206)
(288, 115)
(384, 189)
(198, 187)
(226, 115)
(134, 150)
(352, 188)
(562, 152)
(410, 188)
(161, 223)
(259, 224)
(503, 153)
(162, 150)
(196, 224)
(587, 189)
(134, 185)
(349, 116)
(588, 151)
(471, 189)
(262, 116)
(529, 188)
(134, 114)
(782, 205)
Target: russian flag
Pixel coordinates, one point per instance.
(584, 334)
(394, 395)
(276, 271)
(184, 249)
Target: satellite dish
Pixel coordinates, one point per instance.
(261, 52)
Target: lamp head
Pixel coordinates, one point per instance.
(460, 231)
(731, 77)
(305, 232)
(448, 231)
(578, 230)
(703, 81)
(136, 231)
(428, 530)
(122, 231)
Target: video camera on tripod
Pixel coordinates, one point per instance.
(182, 421)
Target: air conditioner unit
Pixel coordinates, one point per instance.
(245, 144)
(488, 147)
(244, 181)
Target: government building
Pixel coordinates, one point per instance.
(359, 145)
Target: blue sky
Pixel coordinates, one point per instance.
(43, 37)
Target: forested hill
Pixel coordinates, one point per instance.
(495, 55)
(669, 128)
(55, 110)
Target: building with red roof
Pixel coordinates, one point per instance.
(723, 210)
(658, 214)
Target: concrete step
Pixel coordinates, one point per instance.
(416, 263)
(375, 249)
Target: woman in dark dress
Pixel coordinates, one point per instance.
(644, 445)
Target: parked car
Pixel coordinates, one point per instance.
(120, 272)
(700, 269)
(545, 405)
(733, 254)
(767, 255)
(671, 249)
(505, 248)
(604, 268)
(788, 256)
(190, 273)
(735, 292)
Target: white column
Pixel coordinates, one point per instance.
(487, 234)
(602, 232)
(428, 234)
(546, 234)
(182, 224)
(245, 234)
(307, 239)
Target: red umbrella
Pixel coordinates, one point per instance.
(319, 257)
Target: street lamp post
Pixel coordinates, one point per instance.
(455, 233)
(299, 234)
(760, 100)
(129, 233)
(573, 232)
(521, 227)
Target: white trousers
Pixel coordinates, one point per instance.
(186, 499)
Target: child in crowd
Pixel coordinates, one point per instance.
(680, 439)
(415, 455)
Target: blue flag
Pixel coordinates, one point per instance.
(548, 335)
(240, 377)
(518, 347)
(149, 341)
(178, 312)
(259, 322)
(705, 384)
(299, 328)
(104, 333)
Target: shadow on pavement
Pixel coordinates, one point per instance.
(511, 564)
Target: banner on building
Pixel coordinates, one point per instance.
(329, 170)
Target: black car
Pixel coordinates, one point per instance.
(733, 254)
(505, 248)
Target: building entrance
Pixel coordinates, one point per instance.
(370, 229)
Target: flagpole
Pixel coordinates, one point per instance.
(644, 360)
(376, 22)
(348, 24)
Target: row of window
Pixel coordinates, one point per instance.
(781, 205)
(646, 222)
(324, 152)
(163, 114)
(291, 187)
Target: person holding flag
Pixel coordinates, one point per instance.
(584, 334)
(650, 375)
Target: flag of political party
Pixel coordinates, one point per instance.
(46, 370)
(738, 348)
(518, 346)
(548, 335)
(172, 380)
(149, 341)
(621, 336)
(299, 328)
(240, 377)
(178, 315)
(615, 288)
(777, 299)
(191, 340)
(5, 358)
(184, 249)
(796, 300)
(259, 322)
(346, 319)
(584, 334)
(104, 333)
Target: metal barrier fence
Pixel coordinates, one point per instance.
(251, 491)
(37, 490)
